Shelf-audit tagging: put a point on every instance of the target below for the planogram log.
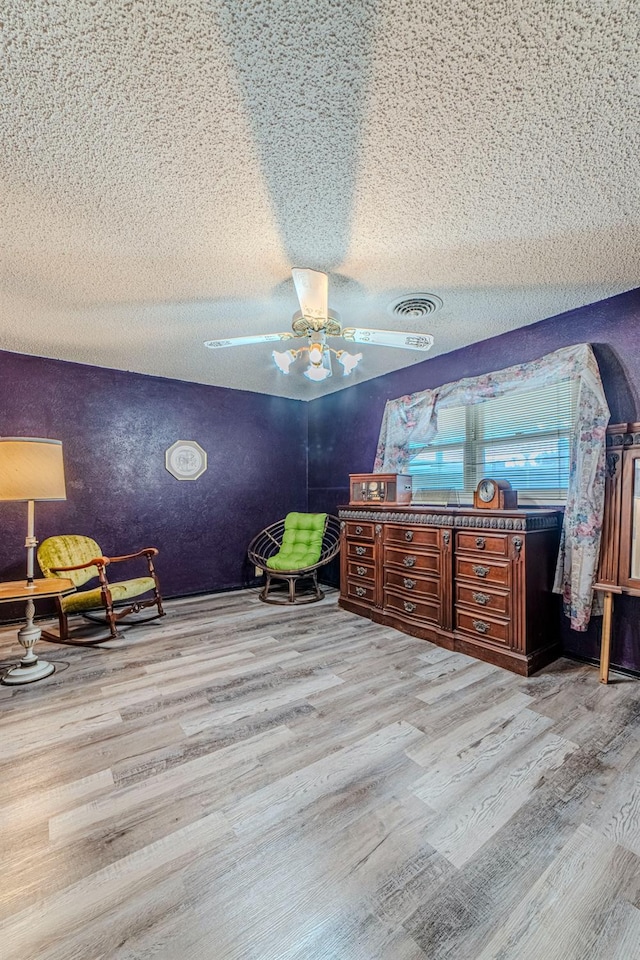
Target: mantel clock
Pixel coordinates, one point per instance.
(494, 495)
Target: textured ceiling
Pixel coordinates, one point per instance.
(164, 165)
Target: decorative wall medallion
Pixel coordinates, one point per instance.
(185, 460)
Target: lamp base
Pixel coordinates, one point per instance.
(27, 673)
(29, 668)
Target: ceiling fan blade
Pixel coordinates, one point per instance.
(243, 341)
(312, 288)
(389, 338)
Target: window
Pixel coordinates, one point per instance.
(523, 437)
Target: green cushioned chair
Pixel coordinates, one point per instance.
(80, 559)
(293, 550)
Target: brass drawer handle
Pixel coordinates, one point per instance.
(481, 571)
(480, 626)
(361, 571)
(409, 584)
(481, 598)
(409, 561)
(361, 551)
(481, 543)
(358, 530)
(361, 591)
(408, 535)
(409, 607)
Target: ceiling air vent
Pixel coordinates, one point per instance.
(415, 305)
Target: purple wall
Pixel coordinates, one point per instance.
(343, 427)
(115, 428)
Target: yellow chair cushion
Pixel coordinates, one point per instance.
(67, 551)
(89, 599)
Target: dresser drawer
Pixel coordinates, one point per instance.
(416, 536)
(361, 591)
(418, 608)
(359, 551)
(409, 583)
(483, 597)
(496, 544)
(362, 531)
(480, 626)
(357, 570)
(408, 559)
(483, 570)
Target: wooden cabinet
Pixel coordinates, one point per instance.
(619, 565)
(465, 579)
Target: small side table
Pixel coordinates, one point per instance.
(30, 668)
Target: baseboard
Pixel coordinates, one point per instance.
(595, 662)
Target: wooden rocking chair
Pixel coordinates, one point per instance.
(80, 559)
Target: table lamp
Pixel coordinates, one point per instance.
(31, 469)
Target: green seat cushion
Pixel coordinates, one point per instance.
(90, 599)
(301, 543)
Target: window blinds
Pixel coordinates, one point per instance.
(523, 437)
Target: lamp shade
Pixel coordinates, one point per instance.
(31, 469)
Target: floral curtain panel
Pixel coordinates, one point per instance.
(415, 418)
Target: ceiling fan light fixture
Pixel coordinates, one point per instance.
(284, 360)
(319, 363)
(317, 374)
(316, 323)
(316, 354)
(348, 361)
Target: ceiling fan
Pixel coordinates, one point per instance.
(314, 322)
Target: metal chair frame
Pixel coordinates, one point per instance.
(268, 542)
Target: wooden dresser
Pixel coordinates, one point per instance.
(469, 580)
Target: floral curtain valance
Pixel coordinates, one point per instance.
(415, 418)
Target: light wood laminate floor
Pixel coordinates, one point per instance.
(245, 782)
